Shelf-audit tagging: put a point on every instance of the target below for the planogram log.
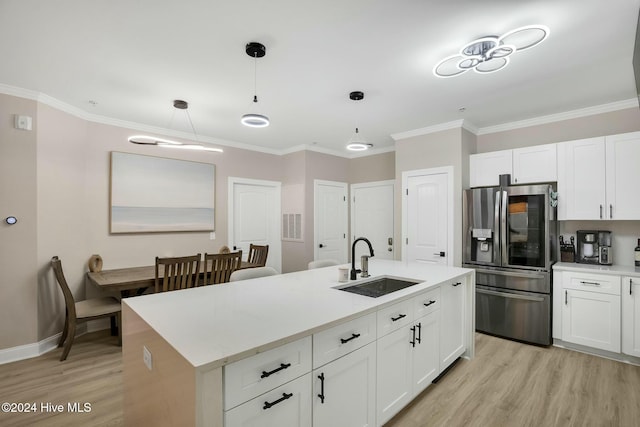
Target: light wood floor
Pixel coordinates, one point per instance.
(507, 384)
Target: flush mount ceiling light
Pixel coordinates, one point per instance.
(489, 54)
(167, 143)
(254, 120)
(357, 142)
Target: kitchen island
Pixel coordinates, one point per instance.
(292, 349)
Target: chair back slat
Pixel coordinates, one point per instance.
(69, 301)
(218, 267)
(178, 273)
(258, 254)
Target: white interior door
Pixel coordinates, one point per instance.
(330, 220)
(372, 217)
(428, 207)
(254, 217)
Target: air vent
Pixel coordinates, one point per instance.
(292, 227)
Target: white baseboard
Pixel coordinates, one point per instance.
(620, 357)
(27, 351)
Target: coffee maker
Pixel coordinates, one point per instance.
(594, 247)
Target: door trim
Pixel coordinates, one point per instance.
(448, 170)
(276, 247)
(345, 188)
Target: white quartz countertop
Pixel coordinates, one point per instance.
(214, 325)
(622, 270)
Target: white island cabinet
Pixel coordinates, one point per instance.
(292, 349)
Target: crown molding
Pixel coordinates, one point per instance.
(456, 124)
(567, 115)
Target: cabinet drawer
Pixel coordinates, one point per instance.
(601, 283)
(426, 303)
(395, 316)
(335, 342)
(250, 377)
(287, 405)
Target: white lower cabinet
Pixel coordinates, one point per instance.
(452, 321)
(287, 405)
(591, 310)
(630, 295)
(344, 391)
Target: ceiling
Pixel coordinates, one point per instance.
(126, 60)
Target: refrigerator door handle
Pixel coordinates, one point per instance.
(509, 295)
(503, 228)
(496, 227)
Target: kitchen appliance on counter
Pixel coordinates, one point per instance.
(509, 238)
(594, 247)
(567, 250)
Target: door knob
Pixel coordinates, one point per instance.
(440, 254)
(321, 245)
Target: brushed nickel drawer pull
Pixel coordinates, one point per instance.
(589, 283)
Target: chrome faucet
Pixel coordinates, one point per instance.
(364, 265)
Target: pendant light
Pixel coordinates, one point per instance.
(357, 142)
(255, 50)
(178, 104)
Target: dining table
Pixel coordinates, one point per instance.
(132, 281)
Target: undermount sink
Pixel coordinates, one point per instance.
(379, 286)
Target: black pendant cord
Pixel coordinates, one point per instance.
(255, 78)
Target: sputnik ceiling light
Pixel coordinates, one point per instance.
(254, 120)
(357, 142)
(491, 53)
(167, 143)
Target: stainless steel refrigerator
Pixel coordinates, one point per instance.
(509, 236)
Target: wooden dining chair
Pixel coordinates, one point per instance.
(177, 273)
(218, 267)
(258, 255)
(82, 311)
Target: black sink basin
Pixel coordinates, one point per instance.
(378, 287)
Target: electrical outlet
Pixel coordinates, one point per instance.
(212, 235)
(146, 357)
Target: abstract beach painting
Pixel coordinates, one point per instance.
(154, 194)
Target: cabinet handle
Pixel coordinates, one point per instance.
(321, 395)
(413, 340)
(285, 396)
(600, 211)
(265, 374)
(346, 340)
(610, 211)
(400, 316)
(419, 326)
(589, 283)
(565, 297)
(630, 284)
(457, 284)
(427, 304)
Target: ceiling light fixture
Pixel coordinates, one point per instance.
(254, 120)
(491, 53)
(167, 143)
(357, 142)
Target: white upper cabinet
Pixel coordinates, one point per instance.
(597, 178)
(526, 165)
(581, 179)
(534, 164)
(485, 168)
(623, 176)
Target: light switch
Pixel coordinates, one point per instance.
(146, 357)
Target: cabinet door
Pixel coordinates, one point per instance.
(426, 354)
(485, 168)
(288, 405)
(581, 182)
(623, 176)
(394, 373)
(535, 164)
(452, 337)
(344, 391)
(591, 319)
(631, 316)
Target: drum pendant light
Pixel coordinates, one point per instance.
(254, 120)
(357, 142)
